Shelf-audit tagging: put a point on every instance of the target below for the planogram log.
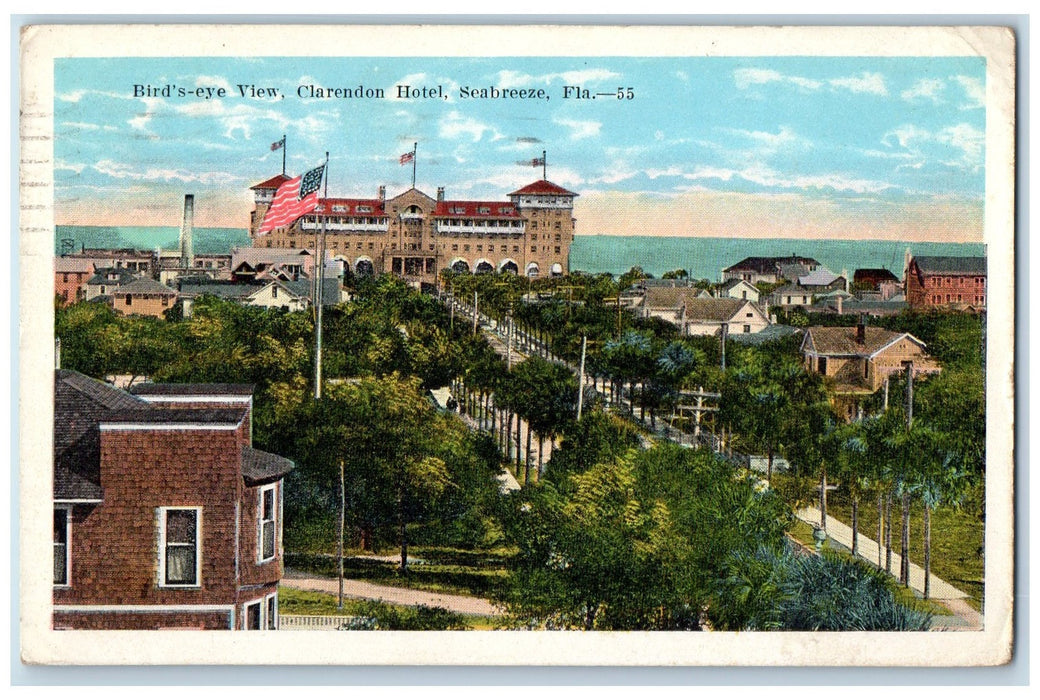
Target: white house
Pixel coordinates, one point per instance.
(697, 316)
(739, 289)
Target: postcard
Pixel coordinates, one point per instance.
(517, 345)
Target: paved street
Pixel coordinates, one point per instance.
(352, 588)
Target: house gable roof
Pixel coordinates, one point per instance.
(769, 265)
(144, 285)
(80, 403)
(840, 341)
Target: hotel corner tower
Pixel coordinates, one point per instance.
(416, 236)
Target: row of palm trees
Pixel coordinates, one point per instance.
(535, 398)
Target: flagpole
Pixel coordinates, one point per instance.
(544, 177)
(415, 149)
(318, 294)
(285, 147)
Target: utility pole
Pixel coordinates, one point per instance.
(724, 331)
(904, 568)
(581, 376)
(321, 283)
(342, 519)
(509, 345)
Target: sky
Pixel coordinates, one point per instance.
(768, 147)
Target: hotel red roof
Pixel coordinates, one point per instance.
(472, 209)
(543, 187)
(272, 184)
(341, 205)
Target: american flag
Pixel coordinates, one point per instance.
(280, 143)
(293, 199)
(407, 157)
(535, 162)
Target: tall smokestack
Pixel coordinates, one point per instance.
(187, 249)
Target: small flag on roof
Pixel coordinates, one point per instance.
(280, 143)
(406, 157)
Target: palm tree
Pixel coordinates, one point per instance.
(940, 477)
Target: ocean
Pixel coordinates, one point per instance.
(702, 258)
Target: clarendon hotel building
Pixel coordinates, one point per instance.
(415, 236)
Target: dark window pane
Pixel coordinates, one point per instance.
(268, 535)
(180, 526)
(61, 526)
(253, 617)
(272, 617)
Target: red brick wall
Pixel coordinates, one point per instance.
(144, 621)
(71, 286)
(943, 290)
(115, 544)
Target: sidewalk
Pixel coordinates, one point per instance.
(352, 588)
(868, 549)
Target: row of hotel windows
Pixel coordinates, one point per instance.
(950, 298)
(334, 245)
(179, 541)
(953, 281)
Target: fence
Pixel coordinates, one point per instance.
(326, 622)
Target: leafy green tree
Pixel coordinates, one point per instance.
(391, 443)
(772, 589)
(636, 542)
(91, 338)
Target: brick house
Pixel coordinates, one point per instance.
(165, 516)
(946, 282)
(70, 279)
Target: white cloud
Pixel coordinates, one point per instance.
(925, 90)
(869, 83)
(214, 81)
(969, 140)
(974, 90)
(140, 121)
(455, 125)
(514, 79)
(746, 77)
(580, 129)
(122, 171)
(73, 167)
(74, 96)
(906, 136)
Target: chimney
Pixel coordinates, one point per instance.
(839, 311)
(861, 331)
(440, 194)
(382, 193)
(187, 250)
